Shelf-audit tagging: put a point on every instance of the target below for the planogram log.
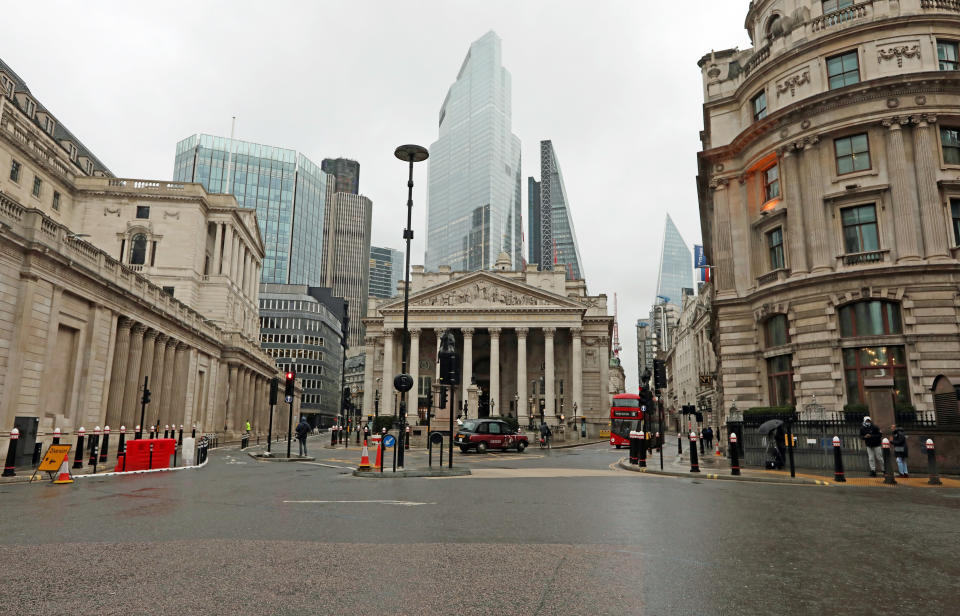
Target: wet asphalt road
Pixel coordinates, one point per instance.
(553, 532)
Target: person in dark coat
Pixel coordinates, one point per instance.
(900, 450)
(872, 439)
(303, 429)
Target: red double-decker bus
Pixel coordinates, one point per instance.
(625, 415)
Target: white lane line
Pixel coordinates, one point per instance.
(349, 468)
(375, 502)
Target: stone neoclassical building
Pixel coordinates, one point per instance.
(528, 340)
(829, 187)
(105, 281)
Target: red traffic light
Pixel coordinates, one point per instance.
(290, 376)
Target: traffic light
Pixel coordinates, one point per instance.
(291, 377)
(646, 399)
(146, 396)
(443, 397)
(449, 359)
(345, 324)
(659, 374)
(346, 397)
(274, 390)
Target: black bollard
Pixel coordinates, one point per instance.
(701, 442)
(180, 437)
(932, 464)
(94, 442)
(9, 467)
(694, 463)
(78, 459)
(679, 444)
(122, 446)
(151, 432)
(137, 433)
(56, 436)
(193, 431)
(734, 455)
(887, 463)
(634, 447)
(837, 461)
(106, 444)
(642, 461)
(333, 436)
(406, 441)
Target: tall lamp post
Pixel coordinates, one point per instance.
(403, 382)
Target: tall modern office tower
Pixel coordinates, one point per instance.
(473, 201)
(386, 270)
(555, 242)
(676, 266)
(288, 190)
(533, 220)
(346, 171)
(346, 256)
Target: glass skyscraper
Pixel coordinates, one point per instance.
(552, 237)
(288, 190)
(386, 270)
(676, 266)
(474, 207)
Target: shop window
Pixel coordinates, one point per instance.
(864, 363)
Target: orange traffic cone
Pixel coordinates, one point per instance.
(376, 441)
(717, 452)
(63, 475)
(364, 458)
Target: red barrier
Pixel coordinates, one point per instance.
(138, 458)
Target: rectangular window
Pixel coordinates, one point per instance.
(771, 183)
(950, 142)
(947, 55)
(780, 380)
(777, 330)
(955, 210)
(869, 362)
(143, 211)
(37, 183)
(15, 171)
(153, 253)
(843, 70)
(759, 105)
(168, 291)
(829, 6)
(775, 244)
(852, 153)
(860, 229)
(56, 200)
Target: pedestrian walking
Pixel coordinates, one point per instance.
(708, 434)
(248, 427)
(900, 450)
(872, 438)
(303, 429)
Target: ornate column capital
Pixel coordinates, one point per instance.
(549, 331)
(414, 331)
(124, 322)
(171, 341)
(522, 331)
(719, 183)
(467, 331)
(604, 339)
(369, 340)
(576, 332)
(923, 120)
(139, 328)
(895, 122)
(495, 331)
(162, 339)
(182, 346)
(150, 333)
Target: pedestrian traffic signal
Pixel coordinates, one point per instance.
(659, 374)
(274, 390)
(443, 397)
(291, 377)
(146, 396)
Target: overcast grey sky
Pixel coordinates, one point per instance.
(614, 84)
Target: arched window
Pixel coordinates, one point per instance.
(138, 249)
(770, 26)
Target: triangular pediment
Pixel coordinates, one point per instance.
(484, 290)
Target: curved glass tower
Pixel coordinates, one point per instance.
(473, 200)
(676, 266)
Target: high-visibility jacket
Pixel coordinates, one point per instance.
(248, 426)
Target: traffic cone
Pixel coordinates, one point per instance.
(377, 463)
(717, 452)
(364, 458)
(63, 475)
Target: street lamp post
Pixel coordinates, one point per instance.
(404, 382)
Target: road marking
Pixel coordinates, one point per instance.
(350, 468)
(357, 502)
(516, 473)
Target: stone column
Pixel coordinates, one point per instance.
(436, 355)
(577, 367)
(549, 409)
(905, 209)
(131, 388)
(522, 404)
(118, 375)
(604, 354)
(466, 375)
(815, 222)
(178, 392)
(723, 237)
(146, 367)
(790, 172)
(413, 367)
(495, 370)
(227, 249)
(369, 357)
(232, 396)
(935, 228)
(217, 247)
(386, 391)
(156, 377)
(166, 387)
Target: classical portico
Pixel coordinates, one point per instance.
(530, 342)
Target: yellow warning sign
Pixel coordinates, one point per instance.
(55, 456)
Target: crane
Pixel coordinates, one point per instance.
(616, 330)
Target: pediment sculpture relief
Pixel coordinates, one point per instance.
(481, 294)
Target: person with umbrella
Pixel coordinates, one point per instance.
(773, 428)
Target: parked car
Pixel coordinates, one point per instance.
(483, 434)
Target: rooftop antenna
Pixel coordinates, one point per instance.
(233, 125)
(616, 330)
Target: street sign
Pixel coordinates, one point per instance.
(389, 440)
(289, 399)
(55, 455)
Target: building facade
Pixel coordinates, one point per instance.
(473, 200)
(111, 282)
(346, 256)
(346, 172)
(289, 193)
(556, 237)
(300, 329)
(690, 361)
(829, 205)
(533, 220)
(353, 380)
(386, 270)
(645, 349)
(532, 344)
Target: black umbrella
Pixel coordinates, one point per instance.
(769, 426)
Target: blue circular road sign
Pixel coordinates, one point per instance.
(389, 440)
